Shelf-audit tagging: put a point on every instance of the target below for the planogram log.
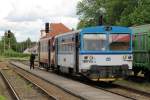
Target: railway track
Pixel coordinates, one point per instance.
(117, 89)
(123, 91)
(50, 89)
(82, 95)
(146, 94)
(26, 77)
(127, 92)
(22, 89)
(14, 94)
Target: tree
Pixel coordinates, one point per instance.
(89, 12)
(28, 42)
(141, 14)
(1, 47)
(115, 12)
(9, 40)
(21, 46)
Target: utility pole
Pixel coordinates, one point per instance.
(9, 36)
(4, 43)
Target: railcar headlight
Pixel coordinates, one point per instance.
(130, 57)
(127, 57)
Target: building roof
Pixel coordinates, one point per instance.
(57, 28)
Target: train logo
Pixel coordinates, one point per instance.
(108, 59)
(89, 59)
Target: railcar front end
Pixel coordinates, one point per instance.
(105, 53)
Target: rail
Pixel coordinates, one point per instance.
(16, 96)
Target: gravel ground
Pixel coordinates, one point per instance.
(52, 89)
(25, 90)
(145, 86)
(4, 93)
(128, 93)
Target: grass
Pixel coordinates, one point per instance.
(2, 97)
(29, 87)
(4, 58)
(10, 54)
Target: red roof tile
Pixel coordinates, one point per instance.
(57, 28)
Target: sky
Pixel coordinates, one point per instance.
(25, 18)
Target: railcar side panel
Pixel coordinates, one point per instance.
(105, 60)
(44, 51)
(66, 52)
(141, 50)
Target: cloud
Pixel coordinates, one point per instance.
(27, 17)
(5, 7)
(23, 30)
(41, 9)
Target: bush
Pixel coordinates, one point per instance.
(11, 53)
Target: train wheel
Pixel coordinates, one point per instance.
(58, 69)
(110, 82)
(147, 75)
(47, 67)
(70, 71)
(136, 71)
(39, 64)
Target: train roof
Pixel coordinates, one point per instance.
(98, 29)
(68, 33)
(46, 38)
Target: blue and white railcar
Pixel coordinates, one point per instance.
(101, 53)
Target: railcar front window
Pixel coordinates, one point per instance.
(119, 42)
(94, 42)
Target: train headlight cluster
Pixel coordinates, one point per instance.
(127, 57)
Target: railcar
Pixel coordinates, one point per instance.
(141, 50)
(101, 53)
(46, 52)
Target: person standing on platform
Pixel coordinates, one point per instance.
(32, 58)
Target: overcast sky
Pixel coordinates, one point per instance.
(26, 18)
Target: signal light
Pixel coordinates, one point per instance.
(47, 27)
(9, 34)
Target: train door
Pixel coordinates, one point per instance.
(39, 50)
(56, 53)
(77, 53)
(49, 53)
